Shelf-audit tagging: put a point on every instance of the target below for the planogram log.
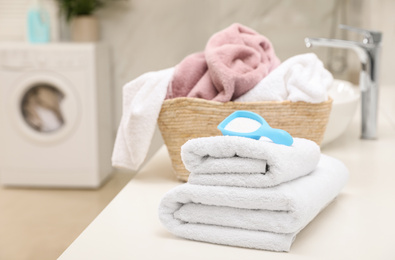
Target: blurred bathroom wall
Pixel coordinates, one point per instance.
(380, 15)
(13, 15)
(147, 35)
(152, 35)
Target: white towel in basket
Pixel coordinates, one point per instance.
(245, 162)
(300, 78)
(262, 218)
(142, 102)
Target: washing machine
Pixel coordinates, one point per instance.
(55, 115)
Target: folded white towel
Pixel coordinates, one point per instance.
(245, 162)
(262, 218)
(142, 102)
(300, 78)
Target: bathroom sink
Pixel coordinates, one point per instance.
(345, 97)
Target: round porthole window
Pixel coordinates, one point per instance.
(41, 108)
(44, 107)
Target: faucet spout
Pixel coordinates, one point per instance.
(368, 52)
(358, 47)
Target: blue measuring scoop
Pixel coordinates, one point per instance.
(260, 128)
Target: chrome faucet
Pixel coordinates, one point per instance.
(368, 52)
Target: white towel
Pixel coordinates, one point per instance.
(245, 162)
(262, 218)
(142, 102)
(300, 78)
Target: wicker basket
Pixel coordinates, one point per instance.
(182, 119)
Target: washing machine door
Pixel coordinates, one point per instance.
(43, 107)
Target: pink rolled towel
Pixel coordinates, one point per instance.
(233, 62)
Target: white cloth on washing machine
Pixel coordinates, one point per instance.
(142, 102)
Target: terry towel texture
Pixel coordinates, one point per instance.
(300, 78)
(234, 61)
(261, 218)
(239, 161)
(142, 102)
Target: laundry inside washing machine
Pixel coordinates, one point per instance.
(41, 108)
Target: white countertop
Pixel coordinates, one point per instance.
(359, 224)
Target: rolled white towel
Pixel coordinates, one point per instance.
(245, 162)
(262, 218)
(300, 78)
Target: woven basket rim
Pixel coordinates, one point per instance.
(202, 100)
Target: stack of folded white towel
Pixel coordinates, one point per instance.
(250, 193)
